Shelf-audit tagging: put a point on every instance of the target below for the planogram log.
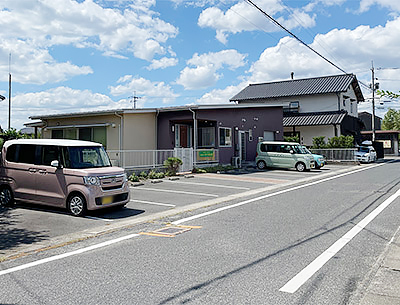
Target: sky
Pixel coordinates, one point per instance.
(86, 55)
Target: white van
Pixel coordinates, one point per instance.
(283, 155)
(73, 174)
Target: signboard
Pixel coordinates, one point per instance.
(206, 155)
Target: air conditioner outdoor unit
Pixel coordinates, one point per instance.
(236, 162)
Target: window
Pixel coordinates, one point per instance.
(21, 153)
(48, 154)
(206, 137)
(225, 136)
(293, 107)
(94, 134)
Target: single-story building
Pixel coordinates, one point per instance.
(232, 129)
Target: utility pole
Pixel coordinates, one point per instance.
(373, 102)
(9, 93)
(134, 99)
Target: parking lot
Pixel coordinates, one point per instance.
(30, 227)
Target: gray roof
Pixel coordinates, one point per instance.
(313, 119)
(299, 87)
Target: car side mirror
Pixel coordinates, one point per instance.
(55, 163)
(292, 151)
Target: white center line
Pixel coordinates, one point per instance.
(178, 192)
(304, 275)
(154, 203)
(212, 185)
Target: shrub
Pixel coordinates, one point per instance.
(172, 164)
(341, 142)
(292, 139)
(134, 178)
(155, 175)
(143, 175)
(319, 142)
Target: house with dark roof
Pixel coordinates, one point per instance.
(321, 106)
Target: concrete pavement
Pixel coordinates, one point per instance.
(384, 287)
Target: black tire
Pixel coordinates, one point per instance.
(261, 165)
(76, 205)
(300, 167)
(6, 197)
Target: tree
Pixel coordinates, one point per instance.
(391, 120)
(388, 94)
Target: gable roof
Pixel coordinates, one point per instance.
(299, 87)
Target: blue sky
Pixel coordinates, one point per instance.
(71, 56)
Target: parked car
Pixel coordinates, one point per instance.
(366, 154)
(283, 155)
(320, 161)
(73, 174)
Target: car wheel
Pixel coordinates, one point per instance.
(6, 197)
(76, 205)
(300, 167)
(261, 165)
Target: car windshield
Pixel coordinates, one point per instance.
(86, 157)
(300, 149)
(363, 149)
(307, 151)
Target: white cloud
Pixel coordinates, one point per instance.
(365, 5)
(221, 96)
(352, 50)
(56, 100)
(206, 66)
(147, 90)
(244, 17)
(162, 63)
(31, 28)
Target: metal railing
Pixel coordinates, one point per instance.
(135, 159)
(130, 159)
(337, 154)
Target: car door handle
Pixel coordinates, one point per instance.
(42, 171)
(32, 170)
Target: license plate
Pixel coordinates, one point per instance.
(107, 200)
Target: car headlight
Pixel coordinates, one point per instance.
(91, 180)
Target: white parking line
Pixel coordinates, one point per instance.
(212, 185)
(154, 203)
(177, 192)
(98, 218)
(68, 254)
(304, 275)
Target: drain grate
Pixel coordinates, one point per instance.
(170, 231)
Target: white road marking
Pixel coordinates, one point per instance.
(304, 275)
(98, 218)
(177, 192)
(113, 241)
(271, 195)
(212, 185)
(68, 254)
(154, 203)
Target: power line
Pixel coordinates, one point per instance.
(295, 37)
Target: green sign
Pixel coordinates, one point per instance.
(206, 154)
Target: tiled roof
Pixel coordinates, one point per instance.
(298, 87)
(313, 119)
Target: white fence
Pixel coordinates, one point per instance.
(337, 154)
(136, 159)
(131, 159)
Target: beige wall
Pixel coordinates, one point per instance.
(307, 133)
(135, 131)
(139, 132)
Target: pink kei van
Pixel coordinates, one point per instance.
(73, 174)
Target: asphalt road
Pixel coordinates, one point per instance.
(251, 249)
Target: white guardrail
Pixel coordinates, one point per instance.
(337, 154)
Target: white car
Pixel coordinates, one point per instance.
(366, 154)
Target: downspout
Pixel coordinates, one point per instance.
(156, 123)
(120, 139)
(194, 135)
(338, 98)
